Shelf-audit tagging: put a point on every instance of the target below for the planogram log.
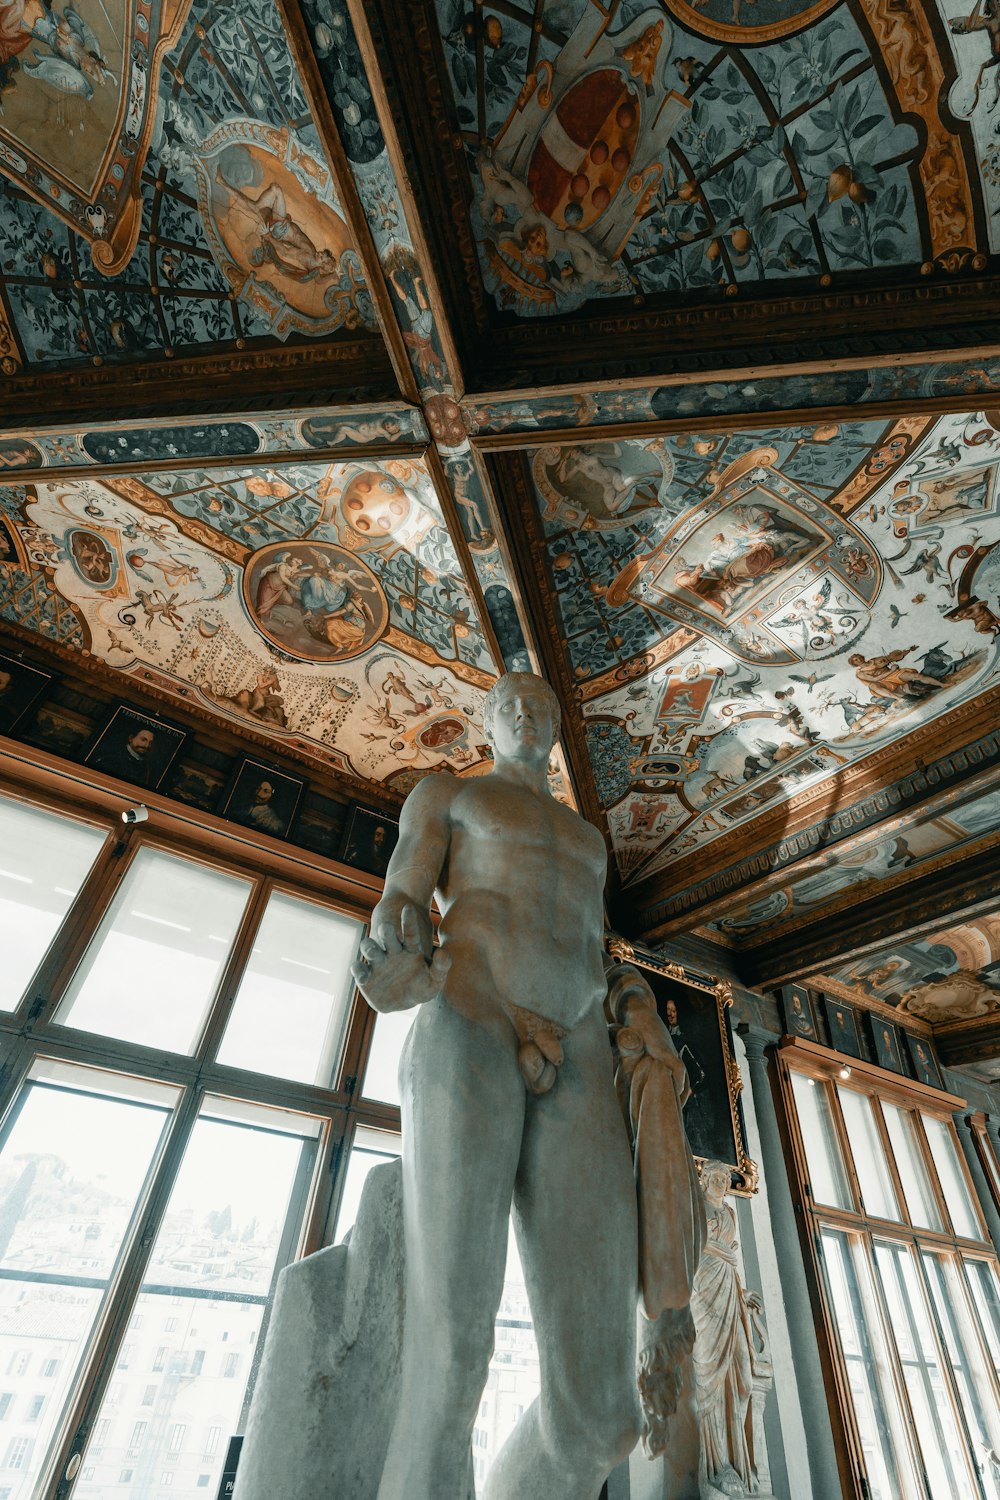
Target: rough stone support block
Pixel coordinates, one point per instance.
(328, 1385)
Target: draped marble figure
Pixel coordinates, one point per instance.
(509, 1105)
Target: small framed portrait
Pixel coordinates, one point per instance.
(370, 840)
(198, 785)
(320, 825)
(21, 687)
(842, 1022)
(885, 1042)
(924, 1060)
(136, 747)
(796, 1003)
(262, 798)
(695, 1011)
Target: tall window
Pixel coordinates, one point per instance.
(908, 1279)
(179, 1050)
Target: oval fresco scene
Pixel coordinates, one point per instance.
(314, 600)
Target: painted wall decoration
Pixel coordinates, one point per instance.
(952, 976)
(616, 153)
(799, 598)
(854, 870)
(322, 602)
(213, 219)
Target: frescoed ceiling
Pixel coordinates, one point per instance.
(324, 602)
(352, 351)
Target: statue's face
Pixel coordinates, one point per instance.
(523, 724)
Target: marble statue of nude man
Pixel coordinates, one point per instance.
(508, 1102)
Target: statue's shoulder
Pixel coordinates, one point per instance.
(581, 828)
(432, 794)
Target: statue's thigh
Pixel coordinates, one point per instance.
(463, 1115)
(575, 1214)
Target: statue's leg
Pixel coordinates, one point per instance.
(463, 1112)
(575, 1217)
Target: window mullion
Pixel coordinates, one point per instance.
(948, 1370)
(229, 982)
(123, 1289)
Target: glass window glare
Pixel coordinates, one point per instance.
(291, 1008)
(44, 860)
(152, 968)
(921, 1201)
(72, 1170)
(381, 1073)
(968, 1366)
(951, 1175)
(870, 1164)
(866, 1360)
(827, 1175)
(942, 1448)
(203, 1299)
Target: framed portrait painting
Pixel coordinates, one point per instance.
(136, 747)
(263, 798)
(924, 1060)
(842, 1022)
(695, 1011)
(800, 1020)
(885, 1042)
(369, 841)
(21, 686)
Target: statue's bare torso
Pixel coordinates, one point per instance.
(520, 895)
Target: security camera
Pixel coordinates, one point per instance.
(135, 814)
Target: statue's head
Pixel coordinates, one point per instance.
(716, 1179)
(520, 685)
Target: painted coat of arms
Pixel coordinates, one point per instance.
(574, 167)
(77, 103)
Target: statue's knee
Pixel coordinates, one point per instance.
(604, 1427)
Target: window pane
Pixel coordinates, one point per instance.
(44, 860)
(952, 1177)
(391, 1031)
(869, 1158)
(196, 1324)
(920, 1197)
(969, 1371)
(985, 1285)
(827, 1176)
(71, 1172)
(151, 971)
(941, 1444)
(513, 1381)
(887, 1464)
(369, 1149)
(288, 1019)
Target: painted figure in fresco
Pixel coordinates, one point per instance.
(887, 679)
(335, 610)
(276, 239)
(262, 701)
(74, 64)
(984, 16)
(760, 542)
(278, 584)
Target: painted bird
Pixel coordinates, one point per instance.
(811, 680)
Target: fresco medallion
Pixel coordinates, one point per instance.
(275, 227)
(314, 601)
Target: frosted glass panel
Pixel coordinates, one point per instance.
(152, 969)
(869, 1158)
(952, 1178)
(44, 860)
(920, 1198)
(391, 1031)
(289, 1015)
(827, 1176)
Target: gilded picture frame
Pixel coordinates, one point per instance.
(695, 1010)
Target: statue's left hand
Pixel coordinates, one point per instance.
(643, 1019)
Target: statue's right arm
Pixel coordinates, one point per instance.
(417, 860)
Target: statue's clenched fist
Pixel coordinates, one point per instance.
(393, 971)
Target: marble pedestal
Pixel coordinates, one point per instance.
(326, 1393)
